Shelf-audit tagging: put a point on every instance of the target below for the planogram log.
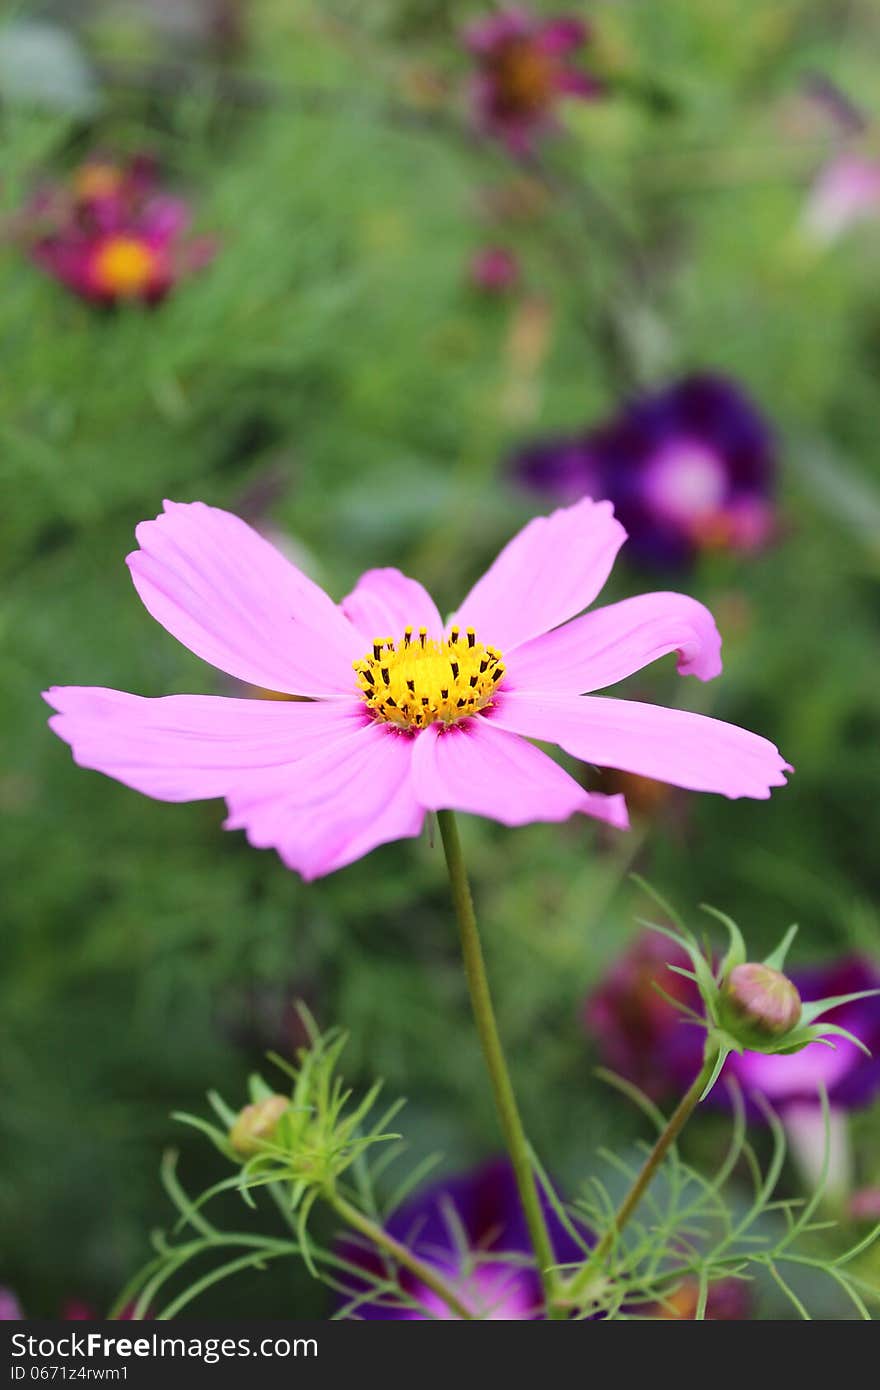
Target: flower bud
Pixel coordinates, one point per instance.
(256, 1124)
(760, 1004)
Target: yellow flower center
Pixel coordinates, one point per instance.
(419, 681)
(124, 266)
(524, 77)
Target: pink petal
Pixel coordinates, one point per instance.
(477, 768)
(550, 571)
(486, 35)
(385, 602)
(578, 84)
(163, 219)
(605, 646)
(339, 803)
(670, 745)
(560, 36)
(234, 600)
(800, 1074)
(191, 747)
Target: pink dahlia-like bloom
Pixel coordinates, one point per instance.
(111, 234)
(524, 68)
(404, 713)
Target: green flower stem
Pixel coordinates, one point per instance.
(674, 1125)
(425, 1273)
(493, 1052)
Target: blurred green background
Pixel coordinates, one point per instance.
(332, 376)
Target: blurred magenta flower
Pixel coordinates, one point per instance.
(76, 1310)
(493, 270)
(688, 468)
(405, 714)
(864, 1205)
(638, 1033)
(111, 234)
(846, 192)
(524, 68)
(471, 1229)
(10, 1308)
(73, 1310)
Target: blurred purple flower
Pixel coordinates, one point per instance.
(111, 234)
(560, 468)
(493, 270)
(846, 192)
(471, 1228)
(688, 468)
(524, 68)
(638, 1033)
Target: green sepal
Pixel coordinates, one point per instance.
(809, 1012)
(776, 959)
(736, 951)
(723, 1054)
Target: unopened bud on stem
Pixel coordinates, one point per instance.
(256, 1124)
(760, 1003)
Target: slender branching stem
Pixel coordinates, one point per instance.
(493, 1052)
(425, 1273)
(667, 1137)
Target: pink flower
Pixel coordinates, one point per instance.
(493, 270)
(405, 714)
(111, 234)
(10, 1308)
(846, 192)
(524, 68)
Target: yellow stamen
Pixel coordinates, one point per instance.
(418, 681)
(124, 266)
(524, 76)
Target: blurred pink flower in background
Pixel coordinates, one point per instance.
(10, 1308)
(405, 714)
(493, 270)
(846, 192)
(111, 234)
(72, 1310)
(524, 68)
(864, 1205)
